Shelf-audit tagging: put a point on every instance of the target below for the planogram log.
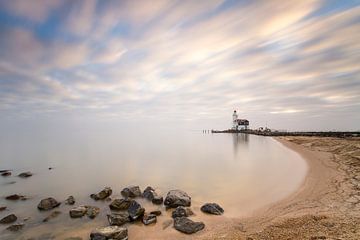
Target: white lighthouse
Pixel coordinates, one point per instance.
(235, 117)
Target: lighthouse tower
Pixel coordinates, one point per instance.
(234, 120)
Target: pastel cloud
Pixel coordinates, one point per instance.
(190, 60)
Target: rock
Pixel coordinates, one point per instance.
(120, 204)
(4, 170)
(156, 212)
(176, 198)
(50, 168)
(149, 219)
(25, 174)
(6, 174)
(8, 219)
(15, 197)
(187, 226)
(15, 227)
(181, 212)
(51, 216)
(92, 211)
(110, 232)
(167, 223)
(78, 212)
(212, 208)
(131, 191)
(135, 211)
(103, 194)
(47, 204)
(2, 208)
(70, 200)
(150, 194)
(118, 219)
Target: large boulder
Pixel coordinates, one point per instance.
(25, 174)
(78, 212)
(135, 211)
(149, 219)
(103, 194)
(187, 226)
(8, 219)
(120, 204)
(176, 198)
(131, 191)
(118, 219)
(48, 204)
(181, 212)
(150, 194)
(212, 208)
(110, 232)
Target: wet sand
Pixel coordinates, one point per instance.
(326, 206)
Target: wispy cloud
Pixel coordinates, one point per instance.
(183, 59)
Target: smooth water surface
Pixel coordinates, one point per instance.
(240, 172)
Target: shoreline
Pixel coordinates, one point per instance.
(316, 210)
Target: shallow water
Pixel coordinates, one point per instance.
(240, 172)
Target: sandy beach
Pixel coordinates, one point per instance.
(326, 206)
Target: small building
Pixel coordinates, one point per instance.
(239, 124)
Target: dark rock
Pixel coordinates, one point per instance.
(150, 194)
(70, 200)
(92, 211)
(15, 227)
(149, 219)
(118, 219)
(47, 204)
(135, 211)
(156, 212)
(8, 219)
(212, 208)
(176, 198)
(50, 168)
(6, 174)
(51, 216)
(78, 212)
(167, 223)
(15, 197)
(2, 209)
(120, 204)
(131, 191)
(25, 174)
(187, 226)
(110, 232)
(4, 170)
(103, 194)
(181, 212)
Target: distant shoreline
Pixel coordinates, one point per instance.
(293, 133)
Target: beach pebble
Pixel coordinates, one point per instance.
(131, 191)
(51, 216)
(110, 232)
(118, 219)
(70, 200)
(92, 211)
(181, 212)
(176, 198)
(8, 219)
(135, 211)
(47, 204)
(212, 208)
(187, 226)
(120, 204)
(150, 194)
(103, 194)
(15, 227)
(78, 212)
(149, 219)
(25, 174)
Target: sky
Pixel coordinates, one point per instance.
(291, 65)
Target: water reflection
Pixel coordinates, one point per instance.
(240, 140)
